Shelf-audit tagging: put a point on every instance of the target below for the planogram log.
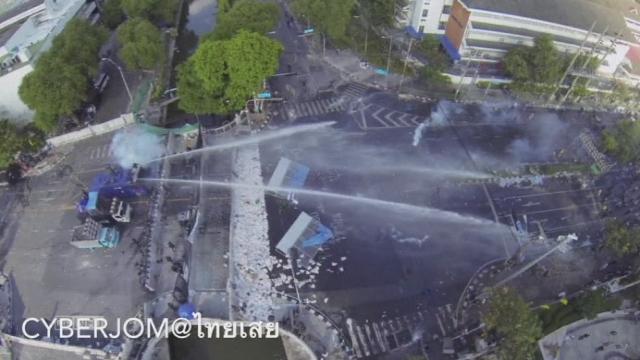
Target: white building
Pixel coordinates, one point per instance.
(484, 30)
(26, 31)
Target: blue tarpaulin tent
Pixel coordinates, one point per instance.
(449, 48)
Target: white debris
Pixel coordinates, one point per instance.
(249, 245)
(326, 300)
(413, 241)
(343, 258)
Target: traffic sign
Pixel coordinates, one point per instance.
(382, 71)
(264, 95)
(309, 31)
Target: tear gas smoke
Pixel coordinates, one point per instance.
(134, 145)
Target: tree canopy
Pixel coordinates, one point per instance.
(152, 10)
(67, 67)
(223, 74)
(251, 15)
(437, 61)
(14, 139)
(623, 141)
(142, 45)
(541, 63)
(379, 12)
(113, 14)
(330, 17)
(510, 316)
(621, 239)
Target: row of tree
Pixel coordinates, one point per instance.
(540, 67)
(62, 76)
(160, 12)
(232, 63)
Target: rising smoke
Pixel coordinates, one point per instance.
(136, 146)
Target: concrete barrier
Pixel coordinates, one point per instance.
(92, 130)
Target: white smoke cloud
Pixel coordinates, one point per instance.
(134, 145)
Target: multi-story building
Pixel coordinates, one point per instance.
(26, 31)
(484, 30)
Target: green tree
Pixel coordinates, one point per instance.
(546, 62)
(67, 67)
(509, 316)
(623, 141)
(621, 239)
(223, 74)
(14, 139)
(595, 302)
(113, 15)
(437, 61)
(153, 10)
(379, 13)
(142, 45)
(535, 69)
(517, 65)
(330, 17)
(251, 15)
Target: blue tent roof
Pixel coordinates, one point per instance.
(186, 311)
(449, 48)
(322, 236)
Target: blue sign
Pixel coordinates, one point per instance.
(309, 31)
(264, 95)
(382, 71)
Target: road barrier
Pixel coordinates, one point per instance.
(92, 130)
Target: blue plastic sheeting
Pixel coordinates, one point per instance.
(117, 184)
(92, 202)
(299, 176)
(449, 48)
(414, 33)
(186, 311)
(323, 235)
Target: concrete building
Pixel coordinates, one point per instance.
(484, 30)
(26, 31)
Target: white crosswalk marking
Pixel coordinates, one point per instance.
(355, 90)
(354, 340)
(361, 337)
(314, 108)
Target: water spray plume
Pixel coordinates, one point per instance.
(254, 139)
(418, 210)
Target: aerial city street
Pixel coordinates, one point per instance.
(319, 179)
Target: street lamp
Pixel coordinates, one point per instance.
(126, 86)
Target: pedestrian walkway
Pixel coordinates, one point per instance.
(355, 90)
(371, 338)
(314, 108)
(101, 152)
(371, 116)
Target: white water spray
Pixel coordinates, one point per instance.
(136, 146)
(255, 139)
(417, 210)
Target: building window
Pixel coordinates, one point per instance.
(442, 25)
(425, 12)
(421, 29)
(446, 9)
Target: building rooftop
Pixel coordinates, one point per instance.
(575, 13)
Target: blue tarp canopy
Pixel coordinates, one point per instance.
(449, 48)
(92, 202)
(299, 174)
(322, 236)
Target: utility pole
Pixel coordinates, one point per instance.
(573, 61)
(464, 73)
(584, 66)
(404, 67)
(366, 39)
